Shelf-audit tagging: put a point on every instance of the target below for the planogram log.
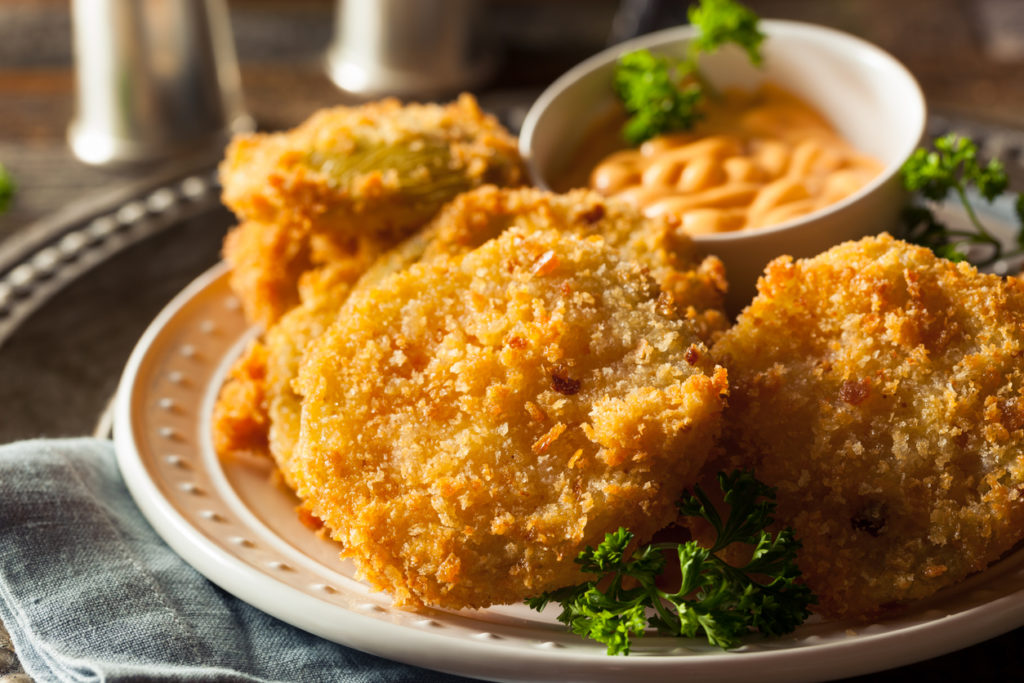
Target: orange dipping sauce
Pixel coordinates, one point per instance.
(754, 160)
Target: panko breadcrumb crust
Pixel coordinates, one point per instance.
(880, 389)
(239, 423)
(257, 411)
(694, 285)
(350, 180)
(695, 291)
(269, 261)
(471, 423)
(371, 169)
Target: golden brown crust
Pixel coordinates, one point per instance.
(257, 411)
(470, 220)
(473, 422)
(269, 262)
(287, 343)
(294, 302)
(695, 287)
(374, 169)
(880, 389)
(240, 420)
(350, 182)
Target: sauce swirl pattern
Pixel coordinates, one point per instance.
(755, 160)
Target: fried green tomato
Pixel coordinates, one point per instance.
(269, 261)
(257, 411)
(350, 179)
(473, 422)
(880, 389)
(375, 169)
(259, 396)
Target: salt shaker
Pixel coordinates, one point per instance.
(156, 80)
(407, 48)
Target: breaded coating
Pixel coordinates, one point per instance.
(356, 178)
(695, 287)
(373, 169)
(240, 421)
(257, 411)
(287, 343)
(467, 222)
(268, 260)
(471, 423)
(880, 388)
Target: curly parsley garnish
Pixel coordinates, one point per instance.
(714, 599)
(725, 21)
(652, 90)
(952, 166)
(662, 94)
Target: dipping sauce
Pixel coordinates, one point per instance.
(755, 159)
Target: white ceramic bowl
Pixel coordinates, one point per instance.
(869, 97)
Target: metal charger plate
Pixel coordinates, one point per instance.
(77, 291)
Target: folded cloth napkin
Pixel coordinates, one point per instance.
(88, 591)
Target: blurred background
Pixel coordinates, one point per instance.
(967, 54)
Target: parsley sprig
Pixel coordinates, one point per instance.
(653, 91)
(662, 94)
(714, 599)
(725, 21)
(951, 165)
(6, 188)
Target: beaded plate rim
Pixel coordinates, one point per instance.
(45, 257)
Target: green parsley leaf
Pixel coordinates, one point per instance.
(6, 188)
(726, 21)
(714, 599)
(661, 94)
(648, 86)
(952, 166)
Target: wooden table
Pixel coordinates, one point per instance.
(967, 54)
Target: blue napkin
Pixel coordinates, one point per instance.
(89, 592)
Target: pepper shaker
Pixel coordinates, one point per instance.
(156, 80)
(407, 48)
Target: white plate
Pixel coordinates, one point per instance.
(234, 525)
